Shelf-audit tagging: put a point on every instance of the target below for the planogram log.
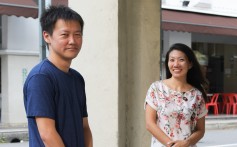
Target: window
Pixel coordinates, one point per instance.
(221, 71)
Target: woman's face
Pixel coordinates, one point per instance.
(178, 64)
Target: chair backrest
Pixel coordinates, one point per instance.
(229, 97)
(214, 98)
(235, 98)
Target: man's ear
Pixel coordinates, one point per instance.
(46, 37)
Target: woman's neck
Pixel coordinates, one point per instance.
(178, 84)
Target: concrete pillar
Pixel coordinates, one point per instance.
(119, 59)
(98, 63)
(139, 66)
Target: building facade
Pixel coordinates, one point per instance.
(122, 54)
(120, 58)
(209, 27)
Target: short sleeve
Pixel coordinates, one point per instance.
(152, 97)
(39, 93)
(85, 113)
(81, 83)
(202, 109)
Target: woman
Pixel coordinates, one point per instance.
(175, 107)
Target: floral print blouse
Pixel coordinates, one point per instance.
(177, 112)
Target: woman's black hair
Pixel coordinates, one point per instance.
(195, 75)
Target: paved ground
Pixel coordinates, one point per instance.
(221, 131)
(221, 122)
(24, 144)
(219, 138)
(212, 138)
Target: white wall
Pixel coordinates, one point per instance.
(19, 54)
(15, 69)
(171, 37)
(22, 34)
(98, 63)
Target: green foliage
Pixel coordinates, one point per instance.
(2, 139)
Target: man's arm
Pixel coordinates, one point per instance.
(48, 132)
(87, 133)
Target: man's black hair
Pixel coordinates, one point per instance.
(50, 16)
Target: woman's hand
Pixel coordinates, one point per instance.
(178, 143)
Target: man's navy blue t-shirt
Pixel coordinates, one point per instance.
(52, 93)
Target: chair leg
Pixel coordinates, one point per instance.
(216, 110)
(223, 108)
(234, 109)
(215, 107)
(227, 109)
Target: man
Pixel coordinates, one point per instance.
(54, 93)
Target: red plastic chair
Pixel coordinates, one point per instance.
(235, 104)
(214, 103)
(228, 102)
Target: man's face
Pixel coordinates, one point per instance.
(66, 40)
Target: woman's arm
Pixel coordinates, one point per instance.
(199, 132)
(48, 132)
(152, 127)
(195, 137)
(87, 133)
